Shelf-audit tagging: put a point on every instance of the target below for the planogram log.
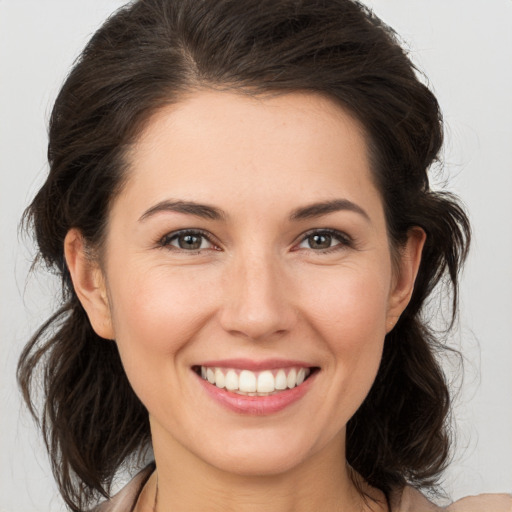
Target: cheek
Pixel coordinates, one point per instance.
(350, 303)
(155, 314)
(150, 301)
(350, 315)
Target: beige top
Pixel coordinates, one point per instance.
(409, 500)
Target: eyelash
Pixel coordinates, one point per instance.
(345, 241)
(166, 240)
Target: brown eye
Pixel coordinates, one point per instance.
(325, 240)
(190, 242)
(186, 241)
(319, 241)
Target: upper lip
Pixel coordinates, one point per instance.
(250, 364)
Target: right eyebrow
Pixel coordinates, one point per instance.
(188, 207)
(324, 208)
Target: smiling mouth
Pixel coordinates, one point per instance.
(249, 383)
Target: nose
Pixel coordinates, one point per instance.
(257, 302)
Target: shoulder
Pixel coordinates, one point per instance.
(483, 503)
(412, 500)
(125, 499)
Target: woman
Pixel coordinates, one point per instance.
(238, 205)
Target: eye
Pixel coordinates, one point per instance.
(187, 240)
(323, 240)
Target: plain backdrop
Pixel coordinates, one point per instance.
(463, 46)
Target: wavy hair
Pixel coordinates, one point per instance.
(153, 52)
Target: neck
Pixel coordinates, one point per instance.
(321, 483)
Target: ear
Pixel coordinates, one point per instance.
(409, 261)
(89, 283)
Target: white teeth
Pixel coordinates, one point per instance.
(220, 381)
(247, 381)
(266, 382)
(231, 381)
(251, 383)
(281, 381)
(292, 378)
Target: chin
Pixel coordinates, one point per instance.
(257, 464)
(267, 456)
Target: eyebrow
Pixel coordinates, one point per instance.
(213, 213)
(188, 207)
(324, 208)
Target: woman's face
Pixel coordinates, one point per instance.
(248, 249)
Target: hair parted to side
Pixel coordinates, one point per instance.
(153, 52)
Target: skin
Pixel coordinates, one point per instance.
(258, 290)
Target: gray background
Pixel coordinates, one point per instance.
(463, 46)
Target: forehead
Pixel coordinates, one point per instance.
(234, 117)
(231, 148)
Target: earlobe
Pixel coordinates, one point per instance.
(403, 285)
(89, 283)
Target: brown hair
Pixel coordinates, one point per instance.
(149, 54)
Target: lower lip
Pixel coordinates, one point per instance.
(256, 405)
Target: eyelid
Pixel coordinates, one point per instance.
(165, 240)
(344, 239)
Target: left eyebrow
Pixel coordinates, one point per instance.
(187, 207)
(323, 208)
